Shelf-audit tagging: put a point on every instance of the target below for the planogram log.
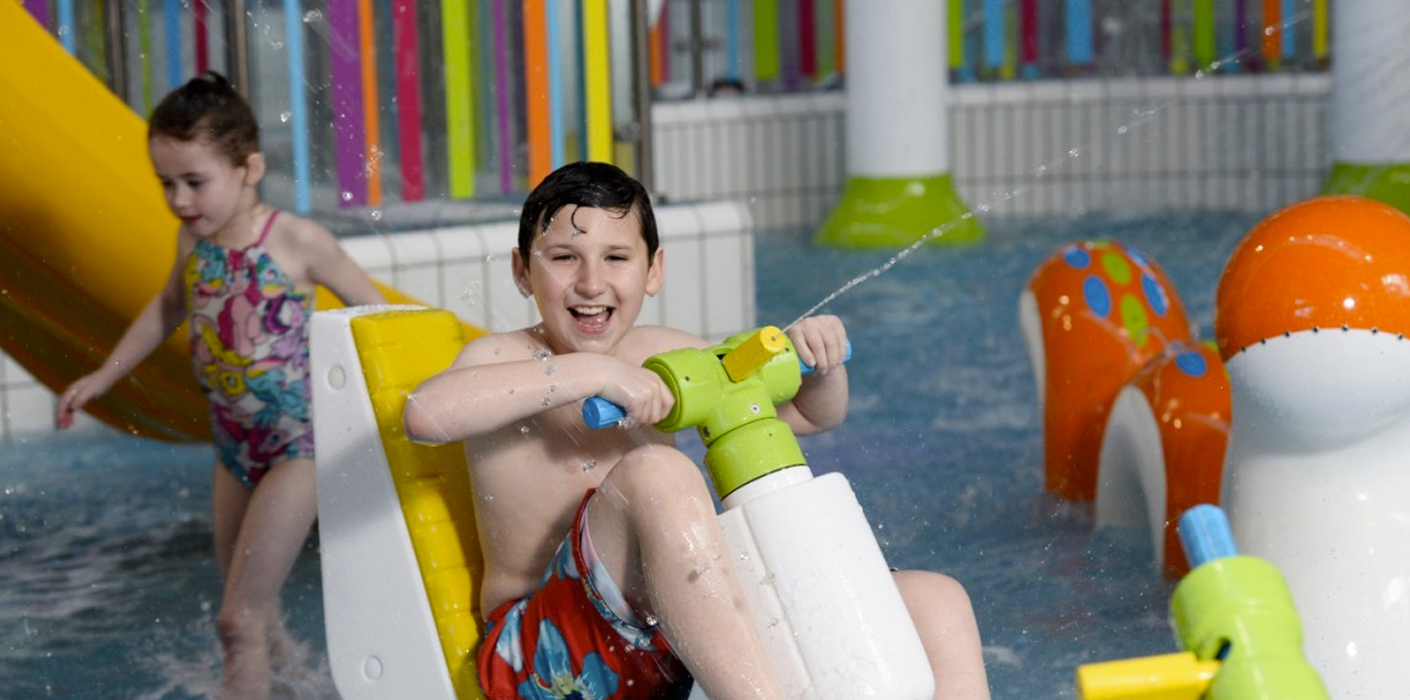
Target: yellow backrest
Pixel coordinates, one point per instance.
(399, 349)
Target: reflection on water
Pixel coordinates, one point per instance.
(108, 586)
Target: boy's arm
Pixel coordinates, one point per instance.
(821, 402)
(157, 320)
(482, 391)
(332, 267)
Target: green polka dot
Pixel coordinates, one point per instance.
(1117, 267)
(1135, 318)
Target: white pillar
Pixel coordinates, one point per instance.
(898, 186)
(1371, 101)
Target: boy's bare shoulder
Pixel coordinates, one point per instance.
(508, 346)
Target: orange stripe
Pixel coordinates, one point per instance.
(657, 67)
(536, 89)
(369, 102)
(1272, 31)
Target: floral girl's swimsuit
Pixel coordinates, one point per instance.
(249, 349)
(576, 637)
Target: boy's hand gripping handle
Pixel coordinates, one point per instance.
(600, 413)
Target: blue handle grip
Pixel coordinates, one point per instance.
(599, 413)
(1204, 531)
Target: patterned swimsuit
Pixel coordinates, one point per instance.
(249, 350)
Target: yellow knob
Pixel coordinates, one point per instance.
(750, 355)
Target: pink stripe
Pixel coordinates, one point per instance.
(203, 53)
(808, 38)
(1028, 26)
(501, 99)
(39, 10)
(346, 67)
(408, 65)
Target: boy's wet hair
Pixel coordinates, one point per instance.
(586, 184)
(208, 107)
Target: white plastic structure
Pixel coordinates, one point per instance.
(382, 639)
(1317, 481)
(1131, 480)
(824, 601)
(1370, 83)
(897, 127)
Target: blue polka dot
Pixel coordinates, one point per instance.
(1192, 363)
(1077, 257)
(1097, 296)
(1155, 295)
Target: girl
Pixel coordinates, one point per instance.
(244, 279)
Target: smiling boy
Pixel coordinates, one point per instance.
(604, 563)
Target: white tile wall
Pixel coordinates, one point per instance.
(1250, 143)
(708, 287)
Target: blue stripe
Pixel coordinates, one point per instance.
(556, 128)
(732, 38)
(66, 26)
(1080, 50)
(298, 103)
(171, 16)
(993, 33)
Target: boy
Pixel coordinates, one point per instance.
(604, 564)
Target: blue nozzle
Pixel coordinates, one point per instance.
(1205, 533)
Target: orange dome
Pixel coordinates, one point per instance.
(1326, 262)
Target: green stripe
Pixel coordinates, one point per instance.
(460, 119)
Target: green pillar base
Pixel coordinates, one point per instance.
(1383, 182)
(897, 212)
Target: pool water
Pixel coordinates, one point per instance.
(108, 587)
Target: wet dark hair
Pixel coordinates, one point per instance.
(586, 184)
(208, 107)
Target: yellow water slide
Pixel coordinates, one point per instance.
(85, 238)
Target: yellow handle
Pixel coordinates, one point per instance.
(750, 355)
(1179, 676)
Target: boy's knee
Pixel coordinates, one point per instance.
(928, 592)
(657, 469)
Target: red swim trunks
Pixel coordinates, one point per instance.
(576, 637)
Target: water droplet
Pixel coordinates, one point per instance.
(550, 370)
(542, 354)
(313, 16)
(523, 429)
(346, 196)
(1074, 153)
(376, 214)
(1121, 130)
(286, 116)
(589, 464)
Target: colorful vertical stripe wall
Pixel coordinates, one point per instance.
(393, 101)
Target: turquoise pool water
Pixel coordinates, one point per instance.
(108, 588)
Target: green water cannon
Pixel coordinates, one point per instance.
(1234, 616)
(729, 392)
(823, 600)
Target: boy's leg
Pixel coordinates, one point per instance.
(653, 526)
(280, 512)
(942, 613)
